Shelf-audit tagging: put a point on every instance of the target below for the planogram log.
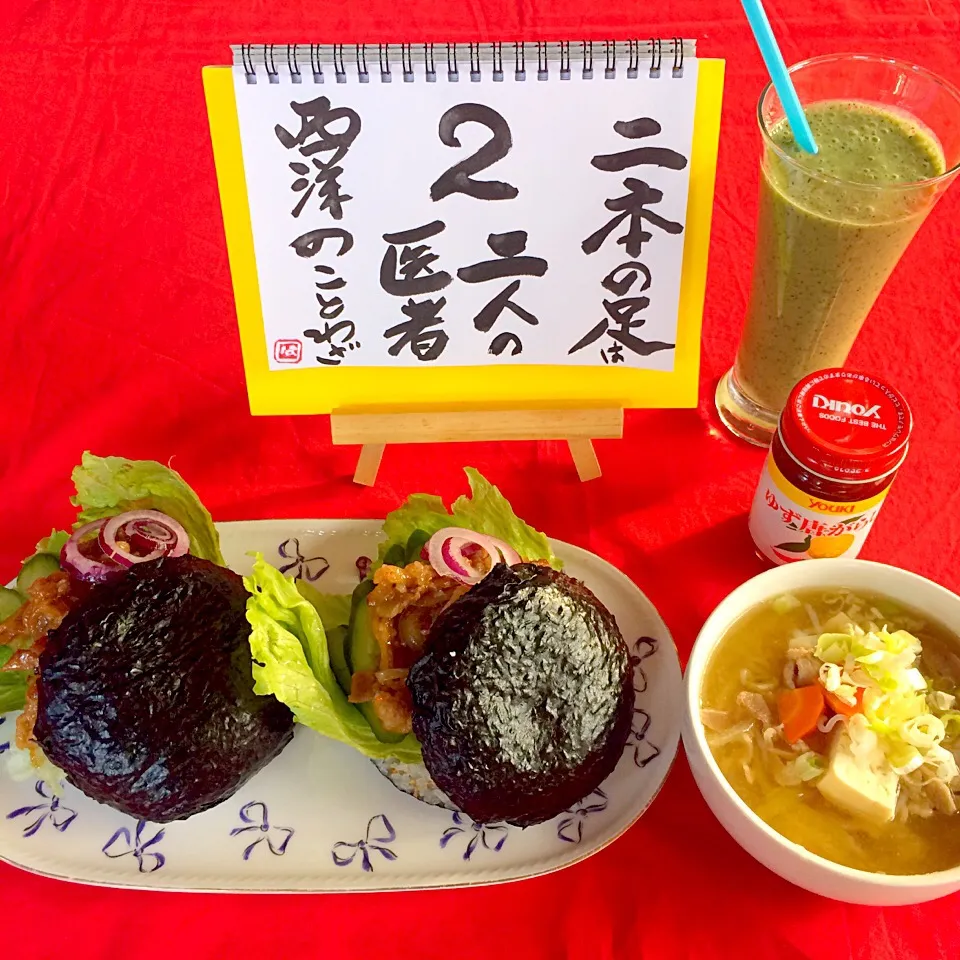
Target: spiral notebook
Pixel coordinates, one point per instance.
(433, 223)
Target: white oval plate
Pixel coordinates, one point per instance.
(320, 817)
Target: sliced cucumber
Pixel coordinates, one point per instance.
(415, 544)
(10, 603)
(384, 736)
(363, 653)
(336, 642)
(360, 592)
(39, 565)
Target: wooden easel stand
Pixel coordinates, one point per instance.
(374, 429)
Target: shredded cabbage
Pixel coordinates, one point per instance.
(924, 732)
(945, 763)
(786, 603)
(832, 678)
(898, 724)
(939, 700)
(808, 766)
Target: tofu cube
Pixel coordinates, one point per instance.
(868, 789)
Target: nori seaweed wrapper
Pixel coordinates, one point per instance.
(524, 699)
(145, 692)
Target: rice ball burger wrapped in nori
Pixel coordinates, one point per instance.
(145, 692)
(126, 648)
(473, 672)
(528, 678)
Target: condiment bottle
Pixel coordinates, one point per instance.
(840, 441)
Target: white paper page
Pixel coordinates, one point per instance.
(394, 156)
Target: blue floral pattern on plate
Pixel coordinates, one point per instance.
(256, 817)
(246, 842)
(491, 836)
(49, 811)
(570, 827)
(379, 833)
(642, 649)
(137, 846)
(644, 751)
(305, 568)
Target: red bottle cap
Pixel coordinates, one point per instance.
(845, 425)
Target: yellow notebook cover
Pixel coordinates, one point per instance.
(306, 391)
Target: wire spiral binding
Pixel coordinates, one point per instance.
(474, 60)
(453, 74)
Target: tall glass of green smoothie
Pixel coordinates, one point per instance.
(832, 225)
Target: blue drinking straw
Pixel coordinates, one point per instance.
(777, 69)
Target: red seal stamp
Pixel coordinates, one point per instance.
(287, 351)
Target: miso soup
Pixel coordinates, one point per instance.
(893, 681)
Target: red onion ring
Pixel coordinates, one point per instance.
(507, 554)
(81, 566)
(452, 556)
(162, 534)
(445, 552)
(144, 535)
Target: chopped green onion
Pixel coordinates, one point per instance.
(786, 603)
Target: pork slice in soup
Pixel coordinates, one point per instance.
(834, 716)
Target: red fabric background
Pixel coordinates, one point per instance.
(117, 333)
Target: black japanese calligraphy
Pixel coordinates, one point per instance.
(620, 331)
(410, 274)
(489, 315)
(315, 137)
(620, 285)
(621, 317)
(613, 353)
(422, 333)
(634, 205)
(508, 247)
(622, 321)
(309, 245)
(457, 179)
(416, 275)
(339, 338)
(503, 340)
(651, 156)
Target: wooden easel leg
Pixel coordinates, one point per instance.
(368, 464)
(584, 458)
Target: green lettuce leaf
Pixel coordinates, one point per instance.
(54, 543)
(334, 608)
(291, 661)
(107, 486)
(13, 689)
(486, 510)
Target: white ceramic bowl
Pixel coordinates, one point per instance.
(788, 859)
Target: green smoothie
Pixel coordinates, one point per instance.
(831, 228)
